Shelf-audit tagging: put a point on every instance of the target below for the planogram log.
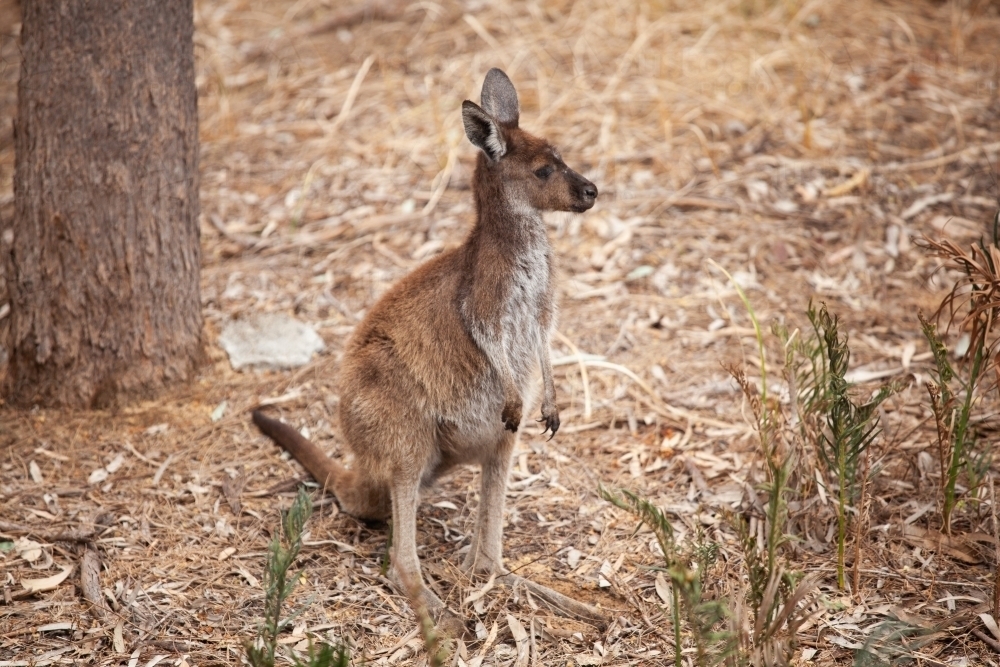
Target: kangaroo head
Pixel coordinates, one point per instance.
(525, 169)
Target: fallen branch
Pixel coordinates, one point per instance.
(90, 583)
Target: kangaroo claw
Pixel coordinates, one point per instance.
(551, 424)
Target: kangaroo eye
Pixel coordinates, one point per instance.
(544, 172)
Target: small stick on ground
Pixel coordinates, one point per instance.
(996, 546)
(994, 644)
(78, 535)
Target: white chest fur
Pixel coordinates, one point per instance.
(526, 298)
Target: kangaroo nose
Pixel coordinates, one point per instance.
(590, 190)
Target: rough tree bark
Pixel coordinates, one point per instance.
(102, 256)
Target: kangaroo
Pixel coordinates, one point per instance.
(440, 369)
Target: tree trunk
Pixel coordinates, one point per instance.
(103, 254)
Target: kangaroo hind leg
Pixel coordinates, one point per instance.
(486, 553)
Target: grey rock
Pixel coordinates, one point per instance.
(269, 340)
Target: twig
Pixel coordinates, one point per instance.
(867, 98)
(373, 10)
(534, 648)
(245, 240)
(389, 650)
(996, 546)
(445, 177)
(906, 577)
(993, 644)
(637, 47)
(380, 221)
(672, 412)
(139, 455)
(483, 33)
(80, 535)
(939, 161)
(587, 409)
(162, 469)
(379, 247)
(352, 94)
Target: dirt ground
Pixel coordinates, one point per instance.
(801, 146)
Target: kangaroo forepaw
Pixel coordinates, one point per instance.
(511, 416)
(551, 419)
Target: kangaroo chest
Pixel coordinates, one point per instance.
(529, 287)
(508, 295)
(528, 295)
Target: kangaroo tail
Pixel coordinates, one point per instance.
(364, 498)
(323, 469)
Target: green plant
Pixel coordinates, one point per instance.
(768, 637)
(772, 433)
(688, 605)
(953, 394)
(778, 461)
(850, 425)
(278, 587)
(776, 597)
(956, 440)
(779, 600)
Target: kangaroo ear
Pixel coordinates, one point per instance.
(483, 131)
(499, 98)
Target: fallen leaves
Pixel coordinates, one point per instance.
(35, 472)
(933, 540)
(28, 549)
(478, 594)
(47, 583)
(101, 474)
(520, 636)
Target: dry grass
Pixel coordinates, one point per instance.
(798, 144)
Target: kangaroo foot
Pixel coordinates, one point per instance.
(555, 601)
(476, 563)
(427, 605)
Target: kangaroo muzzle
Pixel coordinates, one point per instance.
(584, 192)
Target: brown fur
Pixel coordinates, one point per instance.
(439, 370)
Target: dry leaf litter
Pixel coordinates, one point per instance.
(800, 145)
